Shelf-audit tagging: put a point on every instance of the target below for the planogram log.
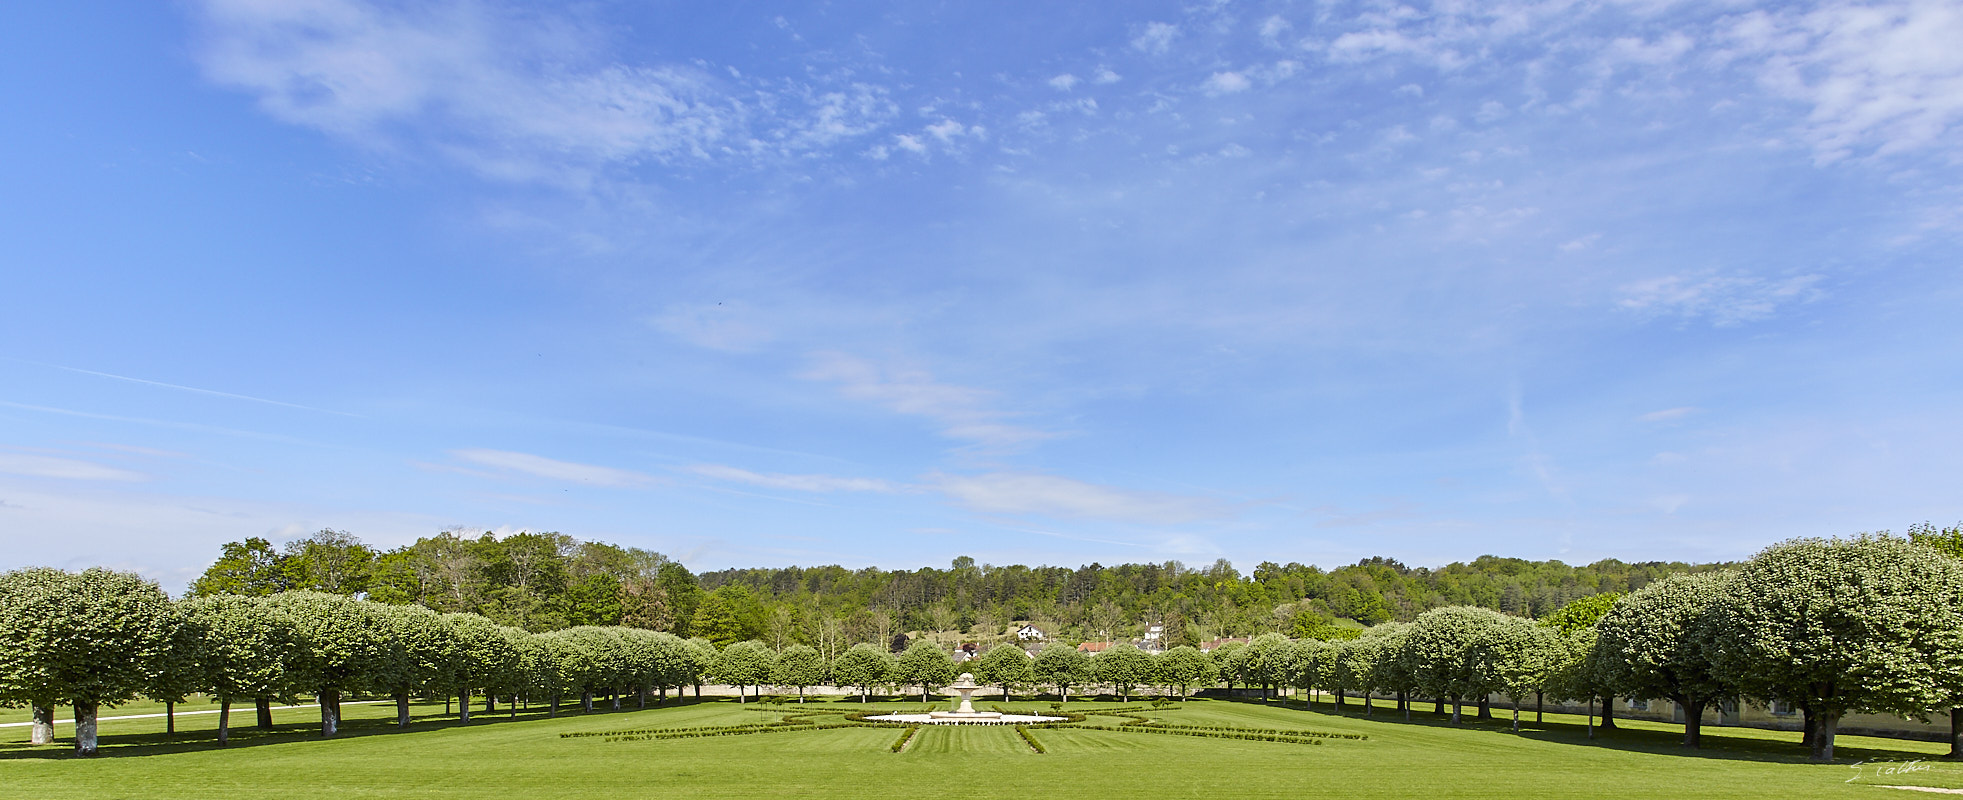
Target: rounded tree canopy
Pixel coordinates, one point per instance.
(246, 645)
(425, 643)
(1269, 659)
(1003, 663)
(798, 665)
(862, 665)
(1185, 666)
(335, 641)
(1654, 641)
(1870, 622)
(925, 664)
(1062, 665)
(1123, 665)
(97, 636)
(745, 663)
(1442, 651)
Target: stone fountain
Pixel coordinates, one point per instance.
(966, 686)
(965, 714)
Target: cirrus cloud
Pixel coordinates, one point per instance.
(1053, 496)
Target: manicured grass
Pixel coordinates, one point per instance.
(526, 757)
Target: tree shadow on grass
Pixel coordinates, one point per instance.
(1718, 741)
(139, 745)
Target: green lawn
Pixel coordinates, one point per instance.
(527, 758)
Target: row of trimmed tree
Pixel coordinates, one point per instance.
(99, 638)
(1872, 624)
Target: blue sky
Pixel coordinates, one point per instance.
(883, 285)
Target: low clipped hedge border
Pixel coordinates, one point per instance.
(1269, 731)
(906, 736)
(732, 730)
(1029, 739)
(1206, 734)
(634, 731)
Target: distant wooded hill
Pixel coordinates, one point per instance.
(545, 581)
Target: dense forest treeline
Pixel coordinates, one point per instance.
(548, 581)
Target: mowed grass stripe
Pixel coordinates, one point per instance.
(985, 741)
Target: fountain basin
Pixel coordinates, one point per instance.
(974, 718)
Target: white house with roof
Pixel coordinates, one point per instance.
(1030, 633)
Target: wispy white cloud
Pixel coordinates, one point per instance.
(1155, 38)
(553, 469)
(1669, 414)
(1272, 29)
(1064, 82)
(526, 101)
(42, 466)
(1053, 496)
(1880, 78)
(801, 483)
(1227, 83)
(1725, 300)
(963, 412)
(193, 389)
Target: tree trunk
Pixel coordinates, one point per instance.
(1823, 734)
(1337, 696)
(170, 718)
(586, 700)
(1608, 713)
(614, 698)
(511, 708)
(643, 697)
(330, 712)
(1404, 704)
(1438, 705)
(1516, 717)
(463, 706)
(490, 702)
(44, 725)
(224, 720)
(85, 742)
(1457, 702)
(698, 691)
(1956, 733)
(1540, 707)
(1808, 724)
(552, 709)
(1693, 723)
(1485, 706)
(1366, 704)
(263, 707)
(402, 709)
(800, 695)
(1591, 716)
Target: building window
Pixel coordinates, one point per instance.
(1638, 705)
(1781, 708)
